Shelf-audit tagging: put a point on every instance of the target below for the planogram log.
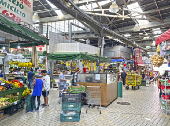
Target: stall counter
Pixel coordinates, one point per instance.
(108, 89)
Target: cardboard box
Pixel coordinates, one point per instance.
(1, 113)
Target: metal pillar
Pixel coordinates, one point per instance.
(70, 32)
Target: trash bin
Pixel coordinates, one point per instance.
(144, 82)
(119, 89)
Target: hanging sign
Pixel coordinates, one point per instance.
(94, 65)
(91, 65)
(17, 10)
(74, 64)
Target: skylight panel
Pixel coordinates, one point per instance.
(104, 2)
(135, 7)
(156, 31)
(58, 12)
(92, 6)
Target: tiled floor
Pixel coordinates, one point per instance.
(143, 111)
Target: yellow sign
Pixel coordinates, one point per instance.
(94, 65)
(68, 64)
(88, 64)
(74, 64)
(91, 65)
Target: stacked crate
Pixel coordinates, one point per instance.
(71, 107)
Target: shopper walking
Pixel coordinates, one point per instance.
(123, 76)
(46, 87)
(37, 90)
(30, 78)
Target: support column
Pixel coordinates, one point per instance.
(51, 71)
(41, 28)
(70, 32)
(6, 61)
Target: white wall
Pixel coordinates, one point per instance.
(74, 47)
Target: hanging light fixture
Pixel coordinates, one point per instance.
(114, 8)
(136, 28)
(35, 18)
(18, 46)
(3, 47)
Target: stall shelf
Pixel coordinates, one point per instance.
(12, 91)
(165, 102)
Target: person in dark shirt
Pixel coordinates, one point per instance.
(123, 76)
(30, 78)
(143, 75)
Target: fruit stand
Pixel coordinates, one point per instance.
(134, 80)
(12, 95)
(12, 91)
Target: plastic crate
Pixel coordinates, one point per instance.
(11, 110)
(71, 118)
(75, 98)
(71, 106)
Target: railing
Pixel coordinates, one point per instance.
(24, 24)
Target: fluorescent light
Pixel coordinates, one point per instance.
(156, 36)
(144, 38)
(153, 44)
(3, 47)
(127, 35)
(140, 33)
(118, 40)
(18, 46)
(81, 39)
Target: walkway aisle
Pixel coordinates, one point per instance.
(144, 110)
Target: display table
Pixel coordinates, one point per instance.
(108, 86)
(12, 91)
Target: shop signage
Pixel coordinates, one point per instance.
(17, 10)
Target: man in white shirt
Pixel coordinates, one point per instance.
(46, 87)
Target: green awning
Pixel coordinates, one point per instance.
(20, 31)
(75, 55)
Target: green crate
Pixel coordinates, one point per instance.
(71, 106)
(71, 118)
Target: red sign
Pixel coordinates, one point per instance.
(138, 57)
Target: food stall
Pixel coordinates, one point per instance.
(107, 82)
(71, 60)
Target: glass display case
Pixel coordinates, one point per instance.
(96, 78)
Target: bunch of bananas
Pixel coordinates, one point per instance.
(4, 99)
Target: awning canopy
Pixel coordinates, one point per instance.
(117, 60)
(163, 37)
(75, 55)
(20, 31)
(121, 60)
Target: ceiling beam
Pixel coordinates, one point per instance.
(119, 16)
(56, 18)
(125, 9)
(147, 26)
(45, 10)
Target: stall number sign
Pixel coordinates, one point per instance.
(17, 10)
